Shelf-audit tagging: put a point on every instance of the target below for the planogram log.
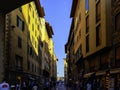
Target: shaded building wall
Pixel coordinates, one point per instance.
(2, 43)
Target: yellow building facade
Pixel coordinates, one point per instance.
(65, 71)
(22, 31)
(92, 47)
(29, 44)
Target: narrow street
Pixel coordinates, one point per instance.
(61, 86)
(72, 43)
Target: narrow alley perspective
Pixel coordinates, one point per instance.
(60, 45)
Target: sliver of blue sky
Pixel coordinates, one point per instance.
(87, 5)
(57, 13)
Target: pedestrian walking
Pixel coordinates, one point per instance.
(4, 86)
(96, 85)
(18, 86)
(35, 87)
(47, 85)
(31, 85)
(76, 85)
(24, 87)
(81, 85)
(54, 84)
(89, 86)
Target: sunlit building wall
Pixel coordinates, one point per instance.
(51, 48)
(53, 60)
(65, 71)
(23, 31)
(48, 48)
(51, 51)
(45, 40)
(69, 50)
(56, 61)
(29, 31)
(55, 66)
(33, 21)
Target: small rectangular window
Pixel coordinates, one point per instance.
(20, 23)
(29, 19)
(19, 42)
(23, 26)
(31, 52)
(117, 22)
(28, 64)
(35, 44)
(33, 14)
(32, 67)
(87, 43)
(38, 27)
(19, 62)
(32, 27)
(98, 11)
(98, 36)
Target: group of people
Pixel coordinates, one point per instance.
(23, 86)
(4, 86)
(93, 85)
(49, 85)
(85, 85)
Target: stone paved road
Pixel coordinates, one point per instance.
(61, 87)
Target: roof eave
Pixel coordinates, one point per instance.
(39, 8)
(49, 30)
(74, 5)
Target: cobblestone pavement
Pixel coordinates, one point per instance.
(61, 87)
